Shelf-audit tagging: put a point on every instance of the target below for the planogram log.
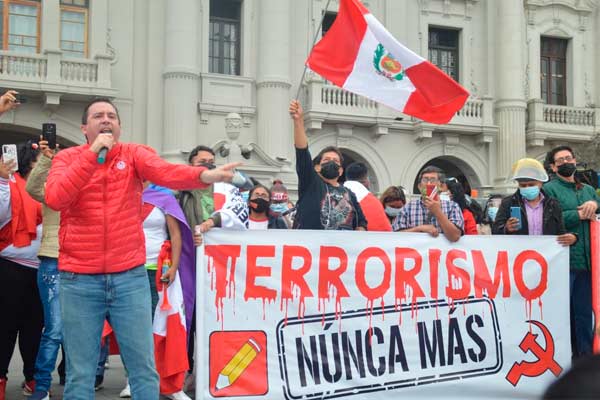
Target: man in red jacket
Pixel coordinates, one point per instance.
(102, 254)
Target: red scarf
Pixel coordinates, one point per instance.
(26, 215)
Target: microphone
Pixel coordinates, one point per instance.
(102, 155)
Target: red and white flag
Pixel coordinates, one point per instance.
(372, 208)
(361, 56)
(170, 337)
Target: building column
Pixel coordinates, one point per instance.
(181, 76)
(511, 105)
(273, 82)
(51, 39)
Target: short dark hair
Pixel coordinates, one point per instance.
(552, 153)
(84, 116)
(430, 170)
(328, 149)
(197, 150)
(356, 171)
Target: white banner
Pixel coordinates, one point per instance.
(367, 315)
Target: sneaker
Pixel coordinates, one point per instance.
(126, 392)
(28, 387)
(37, 395)
(178, 396)
(98, 383)
(2, 388)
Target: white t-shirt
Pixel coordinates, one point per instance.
(155, 231)
(258, 224)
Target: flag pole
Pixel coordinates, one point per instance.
(311, 47)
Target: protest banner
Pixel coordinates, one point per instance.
(368, 315)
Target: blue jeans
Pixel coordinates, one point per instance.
(581, 313)
(48, 285)
(86, 301)
(104, 350)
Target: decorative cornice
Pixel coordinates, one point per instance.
(581, 6)
(273, 85)
(185, 75)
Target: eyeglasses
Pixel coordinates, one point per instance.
(562, 160)
(429, 180)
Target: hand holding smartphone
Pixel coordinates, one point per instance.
(9, 152)
(49, 134)
(431, 190)
(515, 212)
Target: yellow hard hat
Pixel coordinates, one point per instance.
(529, 169)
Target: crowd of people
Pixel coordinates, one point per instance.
(81, 242)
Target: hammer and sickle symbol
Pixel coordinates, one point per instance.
(545, 357)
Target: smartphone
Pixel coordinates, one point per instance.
(9, 152)
(165, 269)
(431, 190)
(515, 212)
(49, 134)
(19, 98)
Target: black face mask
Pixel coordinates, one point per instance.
(259, 205)
(566, 170)
(207, 165)
(330, 170)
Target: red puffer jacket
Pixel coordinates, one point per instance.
(101, 221)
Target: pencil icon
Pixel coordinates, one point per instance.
(238, 364)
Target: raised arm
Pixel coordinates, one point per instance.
(36, 183)
(297, 114)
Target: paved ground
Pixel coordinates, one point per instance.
(114, 381)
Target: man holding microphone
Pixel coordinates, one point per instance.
(102, 255)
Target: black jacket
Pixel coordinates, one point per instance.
(276, 223)
(552, 220)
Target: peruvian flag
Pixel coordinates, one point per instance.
(361, 56)
(170, 336)
(377, 219)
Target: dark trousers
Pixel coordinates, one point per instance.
(22, 316)
(191, 341)
(581, 313)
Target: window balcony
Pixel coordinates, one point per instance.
(56, 76)
(560, 123)
(328, 103)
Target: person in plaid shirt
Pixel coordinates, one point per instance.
(431, 215)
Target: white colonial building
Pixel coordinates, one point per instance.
(178, 68)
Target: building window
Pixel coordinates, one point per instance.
(20, 25)
(328, 21)
(443, 50)
(224, 43)
(554, 70)
(73, 28)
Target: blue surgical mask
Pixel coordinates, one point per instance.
(530, 193)
(392, 211)
(492, 211)
(245, 196)
(278, 208)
